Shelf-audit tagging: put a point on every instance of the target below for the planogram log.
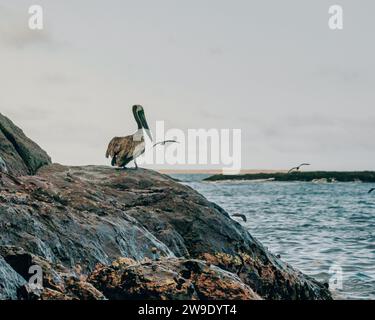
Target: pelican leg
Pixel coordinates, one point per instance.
(113, 162)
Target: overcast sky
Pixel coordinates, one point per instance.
(298, 90)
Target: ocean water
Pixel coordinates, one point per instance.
(325, 230)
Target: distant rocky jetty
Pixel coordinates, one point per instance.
(101, 233)
(308, 176)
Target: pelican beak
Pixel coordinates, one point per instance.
(144, 123)
(148, 131)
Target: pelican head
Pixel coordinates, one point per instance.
(139, 115)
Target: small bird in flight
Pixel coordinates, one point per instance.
(371, 190)
(239, 215)
(298, 167)
(164, 142)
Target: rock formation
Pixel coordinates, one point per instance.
(21, 155)
(104, 233)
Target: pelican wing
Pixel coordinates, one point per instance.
(113, 147)
(124, 149)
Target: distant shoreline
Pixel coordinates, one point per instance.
(215, 171)
(307, 176)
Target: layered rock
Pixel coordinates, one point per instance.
(65, 218)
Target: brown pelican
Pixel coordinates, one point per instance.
(122, 150)
(298, 167)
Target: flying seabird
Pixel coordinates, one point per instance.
(164, 142)
(371, 190)
(122, 150)
(298, 167)
(239, 215)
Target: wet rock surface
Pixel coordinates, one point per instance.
(20, 154)
(167, 240)
(10, 281)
